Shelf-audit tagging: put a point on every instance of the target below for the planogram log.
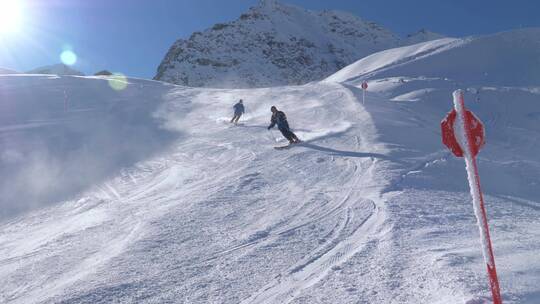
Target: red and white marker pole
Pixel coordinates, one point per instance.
(364, 88)
(463, 133)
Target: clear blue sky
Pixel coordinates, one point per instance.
(132, 36)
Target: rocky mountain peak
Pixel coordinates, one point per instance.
(272, 44)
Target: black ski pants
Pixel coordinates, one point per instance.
(288, 134)
(236, 117)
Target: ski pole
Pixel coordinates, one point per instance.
(272, 134)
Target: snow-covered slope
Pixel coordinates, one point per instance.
(56, 69)
(370, 209)
(209, 197)
(504, 59)
(501, 84)
(60, 135)
(274, 44)
(411, 93)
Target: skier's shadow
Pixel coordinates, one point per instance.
(342, 153)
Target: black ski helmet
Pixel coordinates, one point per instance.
(273, 109)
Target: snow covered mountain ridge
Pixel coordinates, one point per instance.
(422, 35)
(7, 71)
(276, 44)
(56, 69)
(508, 58)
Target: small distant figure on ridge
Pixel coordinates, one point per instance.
(238, 111)
(279, 118)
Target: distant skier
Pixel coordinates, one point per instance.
(238, 111)
(280, 119)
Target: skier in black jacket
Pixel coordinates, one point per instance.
(280, 119)
(238, 111)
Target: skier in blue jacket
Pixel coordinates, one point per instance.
(280, 119)
(238, 111)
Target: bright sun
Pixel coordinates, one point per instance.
(10, 16)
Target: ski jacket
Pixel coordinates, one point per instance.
(280, 119)
(238, 109)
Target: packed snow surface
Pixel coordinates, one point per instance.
(149, 195)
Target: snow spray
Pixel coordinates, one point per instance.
(463, 133)
(273, 136)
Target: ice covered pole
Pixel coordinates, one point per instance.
(464, 127)
(364, 88)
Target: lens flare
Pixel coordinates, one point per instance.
(118, 82)
(68, 57)
(10, 16)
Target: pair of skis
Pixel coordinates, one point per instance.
(287, 146)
